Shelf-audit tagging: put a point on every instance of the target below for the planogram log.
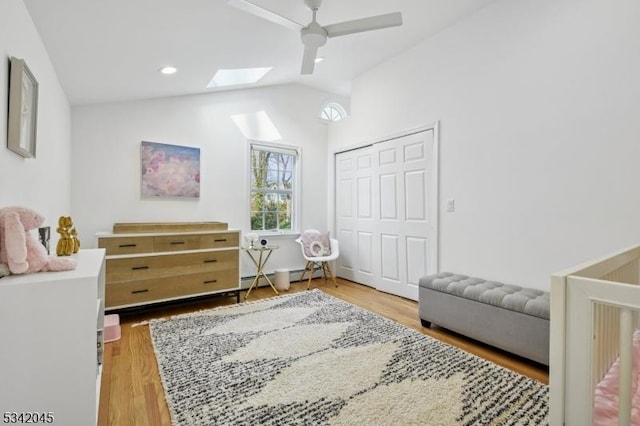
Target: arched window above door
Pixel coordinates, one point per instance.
(333, 111)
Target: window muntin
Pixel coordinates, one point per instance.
(333, 112)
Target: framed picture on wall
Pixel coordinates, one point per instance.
(23, 109)
(169, 171)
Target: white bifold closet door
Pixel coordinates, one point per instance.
(386, 213)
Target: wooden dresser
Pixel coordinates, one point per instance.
(153, 262)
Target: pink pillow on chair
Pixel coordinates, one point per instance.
(316, 244)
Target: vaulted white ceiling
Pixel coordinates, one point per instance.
(106, 51)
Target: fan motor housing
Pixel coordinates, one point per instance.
(313, 35)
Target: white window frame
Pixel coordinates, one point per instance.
(295, 192)
(333, 106)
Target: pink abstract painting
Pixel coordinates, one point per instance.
(169, 170)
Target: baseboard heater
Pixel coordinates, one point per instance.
(294, 276)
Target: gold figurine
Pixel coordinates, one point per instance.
(68, 242)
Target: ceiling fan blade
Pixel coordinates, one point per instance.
(263, 13)
(364, 24)
(308, 59)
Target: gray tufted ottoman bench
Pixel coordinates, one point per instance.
(509, 317)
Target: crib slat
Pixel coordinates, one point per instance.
(626, 360)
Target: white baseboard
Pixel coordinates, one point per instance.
(294, 276)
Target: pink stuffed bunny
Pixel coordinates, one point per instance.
(19, 248)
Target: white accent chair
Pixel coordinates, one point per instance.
(319, 262)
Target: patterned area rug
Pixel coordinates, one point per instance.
(309, 358)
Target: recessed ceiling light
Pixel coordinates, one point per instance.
(168, 70)
(237, 76)
(319, 59)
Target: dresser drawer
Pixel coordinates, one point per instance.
(221, 240)
(126, 245)
(142, 291)
(161, 266)
(176, 242)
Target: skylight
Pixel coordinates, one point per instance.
(237, 76)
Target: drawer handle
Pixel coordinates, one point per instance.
(211, 261)
(127, 245)
(135, 268)
(175, 243)
(210, 282)
(146, 290)
(221, 240)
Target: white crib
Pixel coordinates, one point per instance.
(594, 310)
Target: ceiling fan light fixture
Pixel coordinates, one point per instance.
(168, 70)
(313, 35)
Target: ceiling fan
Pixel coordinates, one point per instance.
(314, 35)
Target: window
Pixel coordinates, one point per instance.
(273, 181)
(333, 112)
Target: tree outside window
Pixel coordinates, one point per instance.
(272, 188)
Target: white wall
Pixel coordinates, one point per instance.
(538, 102)
(106, 160)
(41, 183)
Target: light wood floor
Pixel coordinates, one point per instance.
(132, 393)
